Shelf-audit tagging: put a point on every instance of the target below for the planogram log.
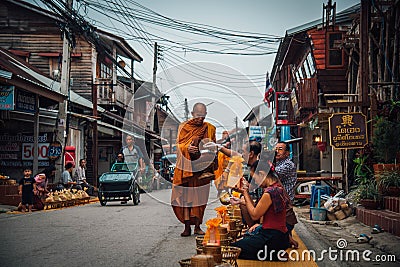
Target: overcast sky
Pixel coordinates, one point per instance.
(229, 97)
(230, 84)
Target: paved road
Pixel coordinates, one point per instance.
(92, 235)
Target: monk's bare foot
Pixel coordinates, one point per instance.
(198, 231)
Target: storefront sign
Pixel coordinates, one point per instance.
(28, 151)
(348, 130)
(25, 101)
(6, 97)
(284, 109)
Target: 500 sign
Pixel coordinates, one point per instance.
(28, 151)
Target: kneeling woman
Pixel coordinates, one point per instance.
(260, 240)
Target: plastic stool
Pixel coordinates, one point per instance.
(316, 192)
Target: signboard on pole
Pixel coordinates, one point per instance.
(348, 130)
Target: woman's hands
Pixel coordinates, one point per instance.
(251, 229)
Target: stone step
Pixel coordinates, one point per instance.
(388, 220)
(392, 204)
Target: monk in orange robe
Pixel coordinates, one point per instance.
(189, 193)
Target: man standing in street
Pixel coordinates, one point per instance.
(189, 193)
(132, 153)
(286, 168)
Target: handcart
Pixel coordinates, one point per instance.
(120, 184)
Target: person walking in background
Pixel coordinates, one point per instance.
(27, 188)
(133, 154)
(80, 177)
(189, 195)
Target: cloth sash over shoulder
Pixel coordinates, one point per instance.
(186, 133)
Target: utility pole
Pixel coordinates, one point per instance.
(153, 100)
(61, 132)
(95, 149)
(186, 110)
(236, 133)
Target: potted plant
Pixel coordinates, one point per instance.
(389, 182)
(386, 132)
(368, 195)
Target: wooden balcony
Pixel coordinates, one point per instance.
(308, 94)
(113, 94)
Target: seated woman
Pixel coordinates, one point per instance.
(272, 234)
(42, 180)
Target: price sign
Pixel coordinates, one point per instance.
(28, 151)
(54, 151)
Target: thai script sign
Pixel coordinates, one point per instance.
(284, 110)
(25, 101)
(6, 97)
(348, 130)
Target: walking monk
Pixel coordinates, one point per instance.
(191, 188)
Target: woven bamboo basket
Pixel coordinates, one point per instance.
(199, 241)
(230, 254)
(234, 234)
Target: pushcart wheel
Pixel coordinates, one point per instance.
(135, 194)
(102, 199)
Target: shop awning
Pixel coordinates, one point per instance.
(120, 129)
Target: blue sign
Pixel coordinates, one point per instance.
(6, 97)
(25, 101)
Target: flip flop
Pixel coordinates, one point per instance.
(377, 229)
(363, 238)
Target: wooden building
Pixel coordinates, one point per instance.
(102, 66)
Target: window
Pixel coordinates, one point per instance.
(55, 68)
(105, 71)
(311, 64)
(306, 69)
(334, 51)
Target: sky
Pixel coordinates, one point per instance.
(230, 85)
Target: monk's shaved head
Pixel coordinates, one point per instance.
(199, 113)
(199, 107)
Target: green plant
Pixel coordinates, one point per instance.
(368, 190)
(389, 179)
(362, 173)
(386, 132)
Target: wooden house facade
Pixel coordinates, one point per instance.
(97, 64)
(312, 68)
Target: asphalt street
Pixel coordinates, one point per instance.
(92, 235)
(122, 235)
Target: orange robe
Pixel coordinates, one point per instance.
(187, 190)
